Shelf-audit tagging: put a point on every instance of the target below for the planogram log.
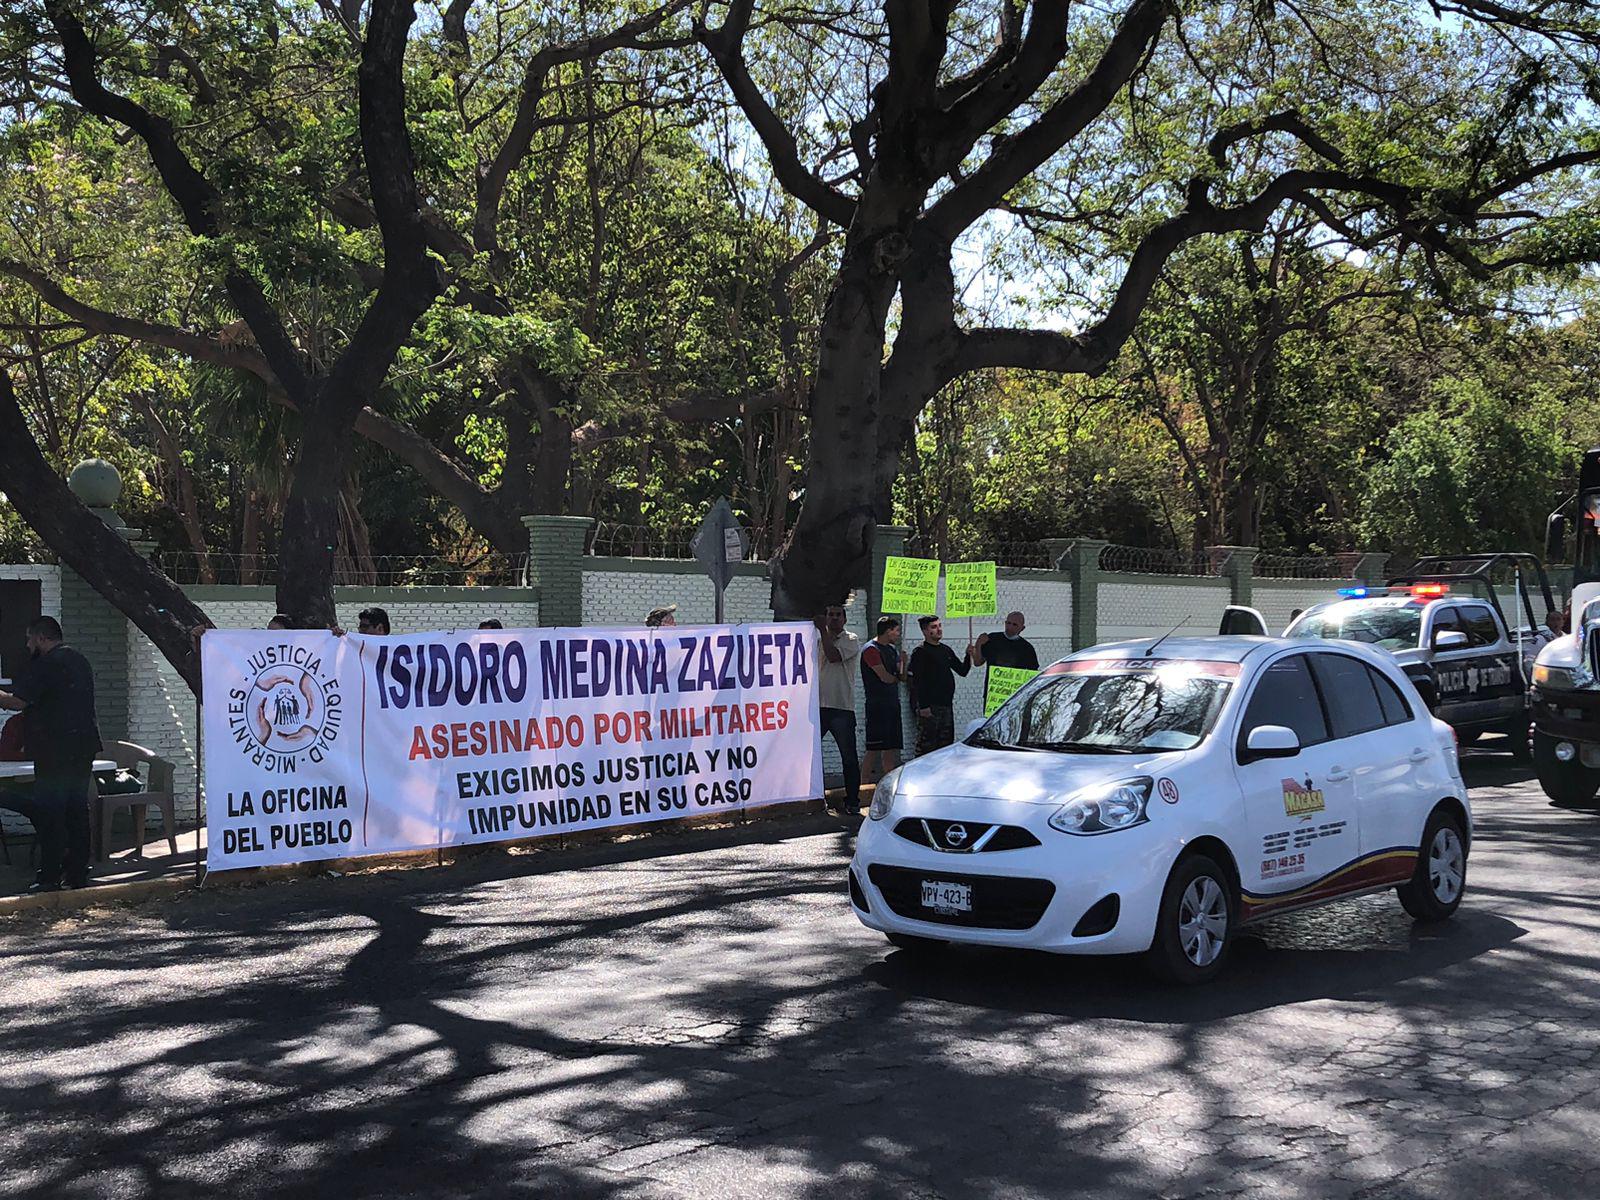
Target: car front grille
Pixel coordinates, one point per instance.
(964, 837)
(998, 902)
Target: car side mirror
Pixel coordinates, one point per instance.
(973, 726)
(1271, 741)
(1449, 639)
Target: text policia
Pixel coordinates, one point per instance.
(452, 738)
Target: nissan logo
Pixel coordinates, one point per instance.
(955, 835)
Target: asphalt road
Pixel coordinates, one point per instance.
(678, 1018)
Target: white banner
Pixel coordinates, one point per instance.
(319, 746)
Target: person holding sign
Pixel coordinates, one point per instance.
(932, 671)
(1008, 648)
(882, 673)
(1009, 652)
(838, 650)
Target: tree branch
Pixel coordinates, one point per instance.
(726, 46)
(492, 182)
(200, 346)
(1015, 158)
(197, 200)
(130, 581)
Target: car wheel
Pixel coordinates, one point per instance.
(1194, 927)
(913, 944)
(1435, 889)
(1564, 782)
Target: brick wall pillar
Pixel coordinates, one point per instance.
(555, 562)
(97, 630)
(1080, 559)
(1237, 565)
(1370, 569)
(888, 541)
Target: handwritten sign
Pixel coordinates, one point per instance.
(910, 585)
(1004, 683)
(969, 589)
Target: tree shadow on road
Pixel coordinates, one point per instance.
(710, 1024)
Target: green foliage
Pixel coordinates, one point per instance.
(1478, 470)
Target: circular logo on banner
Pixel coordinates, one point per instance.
(1168, 790)
(287, 710)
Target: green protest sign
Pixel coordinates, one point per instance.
(910, 585)
(969, 589)
(1003, 683)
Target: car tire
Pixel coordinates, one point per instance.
(1194, 926)
(912, 944)
(1435, 889)
(1568, 783)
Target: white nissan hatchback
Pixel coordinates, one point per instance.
(1158, 796)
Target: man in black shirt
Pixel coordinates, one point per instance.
(56, 698)
(1008, 649)
(932, 671)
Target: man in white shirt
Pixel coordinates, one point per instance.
(838, 651)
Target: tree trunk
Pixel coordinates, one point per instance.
(182, 498)
(250, 532)
(310, 531)
(128, 580)
(829, 550)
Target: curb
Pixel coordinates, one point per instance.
(137, 891)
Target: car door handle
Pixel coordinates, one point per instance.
(1338, 775)
(1419, 755)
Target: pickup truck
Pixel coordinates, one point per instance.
(1470, 669)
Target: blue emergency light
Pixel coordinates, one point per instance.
(1354, 593)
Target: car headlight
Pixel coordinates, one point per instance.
(883, 795)
(1105, 808)
(1563, 679)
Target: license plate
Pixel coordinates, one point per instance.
(946, 897)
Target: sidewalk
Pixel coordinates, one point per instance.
(121, 867)
(123, 878)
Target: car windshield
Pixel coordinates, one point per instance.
(1088, 708)
(1392, 624)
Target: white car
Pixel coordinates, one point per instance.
(1155, 796)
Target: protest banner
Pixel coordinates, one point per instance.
(910, 585)
(1002, 684)
(320, 746)
(969, 589)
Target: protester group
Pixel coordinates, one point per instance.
(928, 675)
(57, 730)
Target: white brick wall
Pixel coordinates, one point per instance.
(626, 597)
(1275, 601)
(1138, 609)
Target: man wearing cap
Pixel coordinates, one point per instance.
(662, 617)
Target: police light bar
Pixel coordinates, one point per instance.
(1430, 589)
(1353, 593)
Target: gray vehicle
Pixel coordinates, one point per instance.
(1449, 634)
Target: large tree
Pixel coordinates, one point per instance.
(1183, 122)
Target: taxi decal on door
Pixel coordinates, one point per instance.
(1378, 869)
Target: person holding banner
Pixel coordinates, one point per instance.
(838, 651)
(882, 673)
(932, 670)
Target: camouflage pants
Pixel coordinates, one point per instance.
(936, 729)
